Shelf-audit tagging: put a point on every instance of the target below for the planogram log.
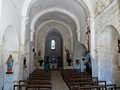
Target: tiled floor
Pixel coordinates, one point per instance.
(57, 81)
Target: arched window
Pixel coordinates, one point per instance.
(53, 44)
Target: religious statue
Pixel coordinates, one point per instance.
(9, 64)
(68, 57)
(39, 54)
(39, 58)
(24, 62)
(118, 46)
(34, 52)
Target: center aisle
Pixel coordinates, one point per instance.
(57, 81)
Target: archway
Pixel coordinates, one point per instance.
(64, 32)
(57, 11)
(10, 46)
(108, 54)
(54, 49)
(79, 51)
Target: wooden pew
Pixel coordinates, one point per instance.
(97, 87)
(36, 87)
(72, 85)
(38, 80)
(34, 82)
(83, 81)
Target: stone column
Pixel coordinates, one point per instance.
(25, 42)
(93, 49)
(107, 64)
(1, 69)
(25, 21)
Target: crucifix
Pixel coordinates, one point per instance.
(88, 36)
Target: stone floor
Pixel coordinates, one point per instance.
(57, 81)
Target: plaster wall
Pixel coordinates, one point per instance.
(68, 40)
(10, 16)
(109, 16)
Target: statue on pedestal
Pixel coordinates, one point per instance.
(68, 57)
(9, 64)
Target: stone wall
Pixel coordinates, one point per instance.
(10, 16)
(107, 13)
(101, 5)
(1, 70)
(109, 16)
(68, 38)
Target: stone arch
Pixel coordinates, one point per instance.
(87, 7)
(58, 26)
(73, 17)
(53, 29)
(107, 50)
(10, 45)
(54, 34)
(26, 9)
(28, 4)
(107, 31)
(59, 22)
(64, 32)
(80, 51)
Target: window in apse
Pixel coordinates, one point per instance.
(53, 44)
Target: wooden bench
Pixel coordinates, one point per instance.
(34, 82)
(36, 87)
(97, 87)
(38, 80)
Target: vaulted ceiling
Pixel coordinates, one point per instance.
(65, 11)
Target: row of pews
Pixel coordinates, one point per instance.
(38, 80)
(83, 81)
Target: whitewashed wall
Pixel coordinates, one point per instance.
(10, 16)
(109, 16)
(67, 37)
(107, 13)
